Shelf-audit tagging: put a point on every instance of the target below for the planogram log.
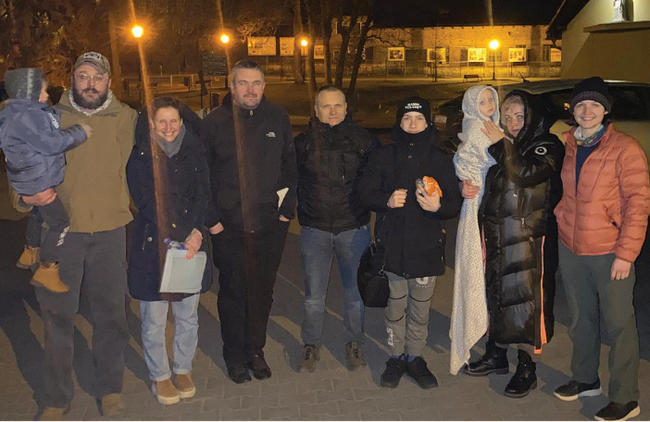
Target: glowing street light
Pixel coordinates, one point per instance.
(494, 45)
(137, 31)
(224, 38)
(304, 42)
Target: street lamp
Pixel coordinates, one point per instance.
(494, 45)
(304, 42)
(224, 38)
(137, 31)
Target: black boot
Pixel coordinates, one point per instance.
(524, 380)
(495, 359)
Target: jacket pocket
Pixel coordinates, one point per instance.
(145, 237)
(613, 218)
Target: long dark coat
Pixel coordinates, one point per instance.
(521, 190)
(181, 188)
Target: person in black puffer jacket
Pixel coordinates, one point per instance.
(409, 233)
(331, 154)
(520, 234)
(168, 179)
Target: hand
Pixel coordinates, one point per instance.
(620, 269)
(397, 199)
(428, 203)
(492, 131)
(40, 199)
(468, 190)
(284, 219)
(88, 129)
(193, 244)
(216, 229)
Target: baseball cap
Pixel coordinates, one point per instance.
(94, 59)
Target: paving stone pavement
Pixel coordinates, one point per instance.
(331, 392)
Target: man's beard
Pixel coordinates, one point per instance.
(89, 105)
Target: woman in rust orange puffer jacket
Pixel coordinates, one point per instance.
(602, 220)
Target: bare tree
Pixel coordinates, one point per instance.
(259, 19)
(297, 31)
(488, 8)
(327, 10)
(367, 24)
(346, 25)
(311, 63)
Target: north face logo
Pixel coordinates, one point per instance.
(271, 135)
(413, 106)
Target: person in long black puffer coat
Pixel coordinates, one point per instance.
(520, 233)
(168, 178)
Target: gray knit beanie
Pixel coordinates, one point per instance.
(24, 84)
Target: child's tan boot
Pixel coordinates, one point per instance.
(29, 257)
(47, 276)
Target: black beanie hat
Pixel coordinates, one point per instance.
(24, 84)
(594, 89)
(418, 104)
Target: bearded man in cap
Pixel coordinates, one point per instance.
(95, 196)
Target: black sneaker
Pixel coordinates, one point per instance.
(259, 367)
(417, 369)
(574, 389)
(395, 368)
(618, 412)
(238, 373)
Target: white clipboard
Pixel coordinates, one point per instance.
(181, 275)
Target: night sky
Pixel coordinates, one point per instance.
(422, 13)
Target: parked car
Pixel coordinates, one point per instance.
(630, 108)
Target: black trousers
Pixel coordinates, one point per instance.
(248, 264)
(57, 220)
(96, 264)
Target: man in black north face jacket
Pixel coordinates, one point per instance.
(252, 160)
(331, 154)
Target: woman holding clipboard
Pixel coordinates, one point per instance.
(168, 179)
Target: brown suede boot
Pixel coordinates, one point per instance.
(111, 404)
(47, 276)
(185, 385)
(165, 392)
(53, 413)
(28, 258)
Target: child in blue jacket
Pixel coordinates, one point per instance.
(34, 145)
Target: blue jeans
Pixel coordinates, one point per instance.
(186, 328)
(317, 249)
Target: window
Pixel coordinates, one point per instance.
(561, 101)
(629, 103)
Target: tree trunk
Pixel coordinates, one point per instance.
(358, 56)
(116, 76)
(488, 8)
(311, 62)
(297, 30)
(345, 42)
(326, 21)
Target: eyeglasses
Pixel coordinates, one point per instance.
(97, 79)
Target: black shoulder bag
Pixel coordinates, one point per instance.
(373, 283)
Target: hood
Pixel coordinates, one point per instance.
(471, 103)
(191, 121)
(539, 115)
(25, 83)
